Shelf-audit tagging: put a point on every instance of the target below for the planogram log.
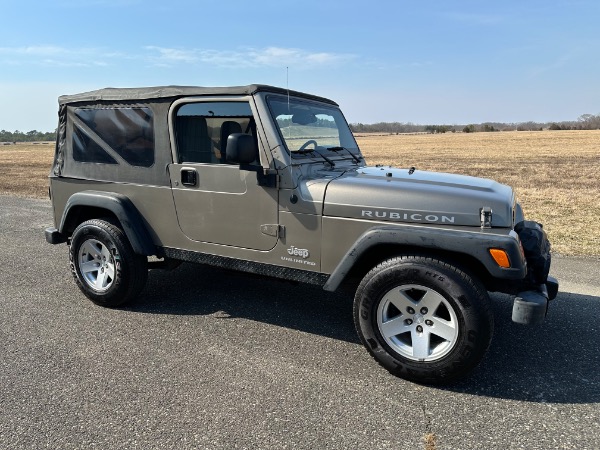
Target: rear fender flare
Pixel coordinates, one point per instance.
(124, 210)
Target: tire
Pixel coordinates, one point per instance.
(422, 319)
(104, 265)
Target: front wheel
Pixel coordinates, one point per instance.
(104, 265)
(423, 319)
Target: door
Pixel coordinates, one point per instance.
(217, 202)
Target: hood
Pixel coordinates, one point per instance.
(390, 194)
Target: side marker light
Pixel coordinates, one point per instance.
(501, 257)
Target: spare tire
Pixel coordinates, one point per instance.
(537, 250)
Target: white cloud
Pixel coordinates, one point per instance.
(276, 56)
(55, 56)
(40, 50)
(173, 55)
(246, 57)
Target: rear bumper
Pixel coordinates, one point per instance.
(53, 236)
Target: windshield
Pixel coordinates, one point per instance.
(305, 125)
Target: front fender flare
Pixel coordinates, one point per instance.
(474, 243)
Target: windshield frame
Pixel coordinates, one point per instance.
(340, 121)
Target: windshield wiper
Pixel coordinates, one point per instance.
(339, 148)
(311, 150)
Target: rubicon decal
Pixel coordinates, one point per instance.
(408, 216)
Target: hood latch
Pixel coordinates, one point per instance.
(486, 217)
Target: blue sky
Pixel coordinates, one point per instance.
(426, 62)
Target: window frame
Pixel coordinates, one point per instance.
(172, 119)
(294, 153)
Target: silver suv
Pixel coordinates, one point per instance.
(270, 181)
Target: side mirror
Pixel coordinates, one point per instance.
(241, 148)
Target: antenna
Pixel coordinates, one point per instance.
(287, 84)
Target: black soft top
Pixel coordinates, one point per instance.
(161, 92)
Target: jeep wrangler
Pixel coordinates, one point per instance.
(271, 181)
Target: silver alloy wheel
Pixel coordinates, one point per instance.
(97, 265)
(417, 322)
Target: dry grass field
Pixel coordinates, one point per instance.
(24, 169)
(555, 173)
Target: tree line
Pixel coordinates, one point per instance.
(584, 122)
(29, 136)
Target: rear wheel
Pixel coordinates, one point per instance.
(104, 265)
(423, 319)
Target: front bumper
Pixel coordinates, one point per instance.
(531, 306)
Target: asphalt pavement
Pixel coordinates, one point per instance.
(219, 360)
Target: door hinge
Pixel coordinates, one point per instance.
(268, 178)
(273, 230)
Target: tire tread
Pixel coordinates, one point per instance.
(136, 266)
(484, 306)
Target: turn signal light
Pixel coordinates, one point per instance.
(501, 257)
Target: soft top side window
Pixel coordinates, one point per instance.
(129, 132)
(86, 150)
(202, 129)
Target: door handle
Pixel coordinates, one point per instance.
(189, 177)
